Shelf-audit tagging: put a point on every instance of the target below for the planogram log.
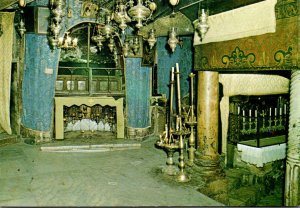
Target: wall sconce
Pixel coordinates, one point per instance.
(173, 39)
(67, 42)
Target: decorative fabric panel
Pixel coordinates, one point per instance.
(6, 42)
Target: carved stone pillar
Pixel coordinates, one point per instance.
(207, 118)
(293, 148)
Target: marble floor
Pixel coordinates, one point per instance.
(130, 177)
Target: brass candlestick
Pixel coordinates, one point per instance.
(192, 123)
(192, 140)
(167, 142)
(171, 98)
(182, 176)
(170, 149)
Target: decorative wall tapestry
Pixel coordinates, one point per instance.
(6, 42)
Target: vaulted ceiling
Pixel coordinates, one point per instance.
(187, 7)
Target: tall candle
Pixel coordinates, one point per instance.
(284, 109)
(270, 112)
(255, 113)
(172, 74)
(280, 111)
(238, 110)
(177, 123)
(250, 112)
(275, 111)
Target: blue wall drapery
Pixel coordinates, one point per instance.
(166, 60)
(137, 93)
(38, 87)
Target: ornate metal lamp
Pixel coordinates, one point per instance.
(22, 28)
(151, 39)
(120, 16)
(57, 13)
(173, 39)
(141, 12)
(201, 25)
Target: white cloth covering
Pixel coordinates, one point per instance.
(260, 156)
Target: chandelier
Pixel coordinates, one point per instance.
(125, 12)
(110, 25)
(141, 12)
(117, 21)
(67, 42)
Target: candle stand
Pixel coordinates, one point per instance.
(173, 140)
(191, 122)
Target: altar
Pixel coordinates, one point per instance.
(60, 102)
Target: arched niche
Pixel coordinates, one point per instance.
(88, 69)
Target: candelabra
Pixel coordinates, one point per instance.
(167, 141)
(173, 140)
(67, 42)
(268, 120)
(182, 176)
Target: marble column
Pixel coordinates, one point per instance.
(207, 117)
(291, 196)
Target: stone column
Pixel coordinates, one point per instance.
(207, 121)
(293, 146)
